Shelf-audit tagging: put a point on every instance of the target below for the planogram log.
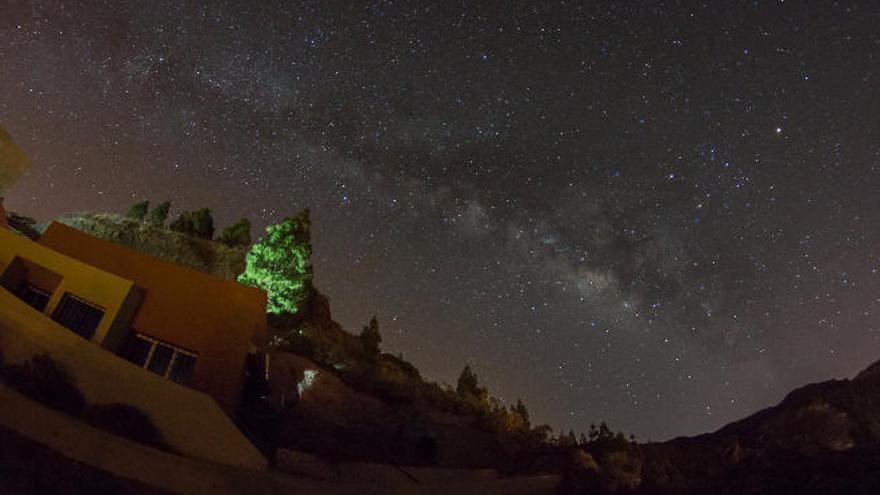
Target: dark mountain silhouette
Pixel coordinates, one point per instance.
(822, 438)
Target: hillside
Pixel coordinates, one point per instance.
(331, 398)
(200, 254)
(822, 438)
(359, 405)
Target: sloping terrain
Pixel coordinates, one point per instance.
(822, 438)
(331, 398)
(208, 256)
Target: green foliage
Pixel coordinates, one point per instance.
(197, 223)
(160, 214)
(280, 264)
(468, 387)
(238, 234)
(370, 338)
(138, 210)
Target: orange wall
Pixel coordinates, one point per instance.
(108, 290)
(214, 317)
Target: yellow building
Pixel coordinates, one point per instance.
(184, 325)
(92, 303)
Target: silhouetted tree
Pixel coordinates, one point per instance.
(370, 337)
(160, 214)
(280, 264)
(567, 440)
(203, 223)
(522, 413)
(468, 386)
(197, 223)
(238, 234)
(183, 224)
(138, 210)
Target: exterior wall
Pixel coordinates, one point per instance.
(109, 291)
(190, 421)
(3, 222)
(178, 474)
(216, 318)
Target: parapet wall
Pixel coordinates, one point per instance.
(190, 421)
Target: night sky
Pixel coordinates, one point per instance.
(665, 216)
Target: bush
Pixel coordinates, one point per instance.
(44, 381)
(126, 421)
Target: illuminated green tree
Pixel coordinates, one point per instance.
(280, 264)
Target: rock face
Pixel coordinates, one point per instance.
(822, 438)
(14, 162)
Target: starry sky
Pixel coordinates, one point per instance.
(660, 214)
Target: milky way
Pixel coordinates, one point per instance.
(662, 216)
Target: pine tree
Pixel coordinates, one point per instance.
(183, 224)
(203, 223)
(138, 210)
(237, 234)
(520, 410)
(468, 386)
(370, 337)
(280, 264)
(197, 223)
(160, 214)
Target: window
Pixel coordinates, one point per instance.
(33, 295)
(160, 357)
(78, 315)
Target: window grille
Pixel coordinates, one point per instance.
(78, 315)
(33, 295)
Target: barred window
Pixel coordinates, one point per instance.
(33, 295)
(78, 315)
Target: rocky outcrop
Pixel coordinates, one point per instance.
(207, 256)
(822, 438)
